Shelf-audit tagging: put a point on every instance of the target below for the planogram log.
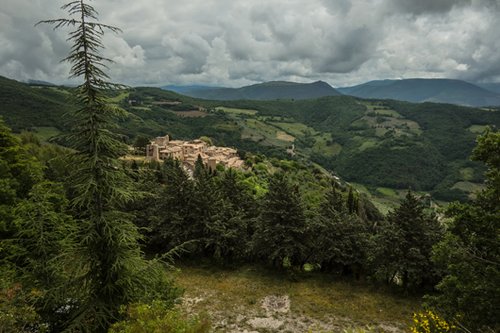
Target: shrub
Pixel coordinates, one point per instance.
(429, 322)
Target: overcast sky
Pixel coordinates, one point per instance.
(239, 42)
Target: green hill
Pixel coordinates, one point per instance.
(425, 90)
(266, 91)
(24, 106)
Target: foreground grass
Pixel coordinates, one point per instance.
(232, 296)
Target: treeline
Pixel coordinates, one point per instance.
(285, 216)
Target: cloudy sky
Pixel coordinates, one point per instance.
(239, 42)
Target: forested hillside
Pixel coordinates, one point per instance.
(24, 106)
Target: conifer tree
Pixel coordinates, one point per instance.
(404, 245)
(44, 248)
(279, 235)
(338, 238)
(113, 270)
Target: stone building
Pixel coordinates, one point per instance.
(187, 152)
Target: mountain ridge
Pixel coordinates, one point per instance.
(271, 90)
(420, 90)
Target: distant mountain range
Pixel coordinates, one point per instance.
(263, 91)
(428, 90)
(410, 90)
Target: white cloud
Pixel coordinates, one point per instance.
(234, 42)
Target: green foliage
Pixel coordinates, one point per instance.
(339, 237)
(16, 314)
(43, 249)
(469, 254)
(24, 107)
(209, 213)
(158, 318)
(410, 165)
(403, 246)
(113, 271)
(279, 235)
(18, 170)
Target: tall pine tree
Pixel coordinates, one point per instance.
(279, 236)
(113, 269)
(404, 245)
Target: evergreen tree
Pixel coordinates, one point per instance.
(338, 238)
(18, 173)
(44, 250)
(174, 218)
(114, 272)
(231, 227)
(279, 236)
(404, 245)
(199, 168)
(470, 253)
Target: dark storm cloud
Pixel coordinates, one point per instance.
(426, 6)
(235, 42)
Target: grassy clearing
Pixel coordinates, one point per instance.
(280, 135)
(118, 98)
(264, 133)
(380, 110)
(384, 198)
(388, 192)
(368, 143)
(467, 173)
(237, 111)
(191, 114)
(141, 108)
(322, 146)
(471, 188)
(234, 297)
(295, 129)
(477, 129)
(45, 133)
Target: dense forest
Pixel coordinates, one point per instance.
(88, 237)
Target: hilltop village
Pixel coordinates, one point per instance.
(187, 152)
